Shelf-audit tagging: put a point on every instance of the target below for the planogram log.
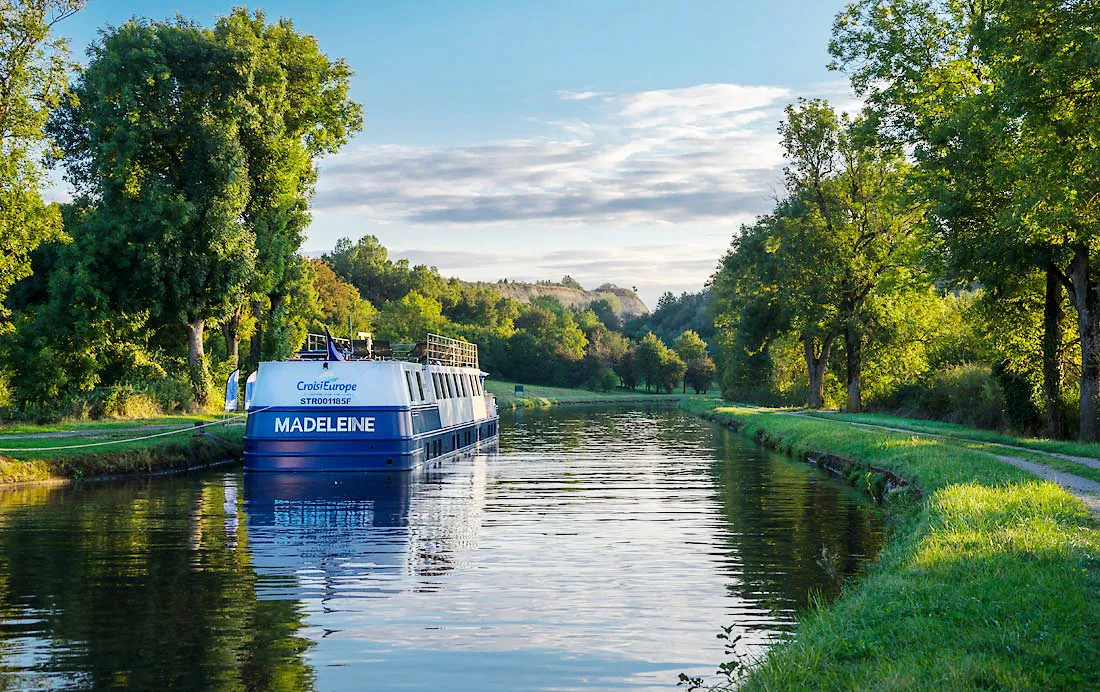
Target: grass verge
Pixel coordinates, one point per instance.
(991, 579)
(1077, 449)
(81, 425)
(168, 453)
(538, 396)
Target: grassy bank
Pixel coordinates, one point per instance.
(48, 459)
(538, 396)
(991, 579)
(91, 425)
(1070, 447)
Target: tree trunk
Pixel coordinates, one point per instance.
(256, 347)
(231, 330)
(1085, 301)
(853, 362)
(196, 360)
(816, 362)
(1052, 356)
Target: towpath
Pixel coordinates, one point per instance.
(1087, 490)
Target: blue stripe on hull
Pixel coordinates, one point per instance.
(385, 449)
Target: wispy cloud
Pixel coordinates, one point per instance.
(579, 95)
(706, 154)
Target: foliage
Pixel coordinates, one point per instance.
(34, 71)
(341, 308)
(673, 315)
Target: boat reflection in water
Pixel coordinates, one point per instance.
(355, 535)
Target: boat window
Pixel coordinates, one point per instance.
(462, 383)
(409, 381)
(420, 385)
(438, 388)
(451, 386)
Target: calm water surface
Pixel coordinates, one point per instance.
(597, 549)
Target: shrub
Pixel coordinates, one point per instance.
(967, 394)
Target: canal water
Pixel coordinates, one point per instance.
(597, 549)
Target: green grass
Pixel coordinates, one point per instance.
(165, 453)
(538, 396)
(991, 579)
(101, 424)
(1078, 449)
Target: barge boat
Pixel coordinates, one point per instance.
(365, 406)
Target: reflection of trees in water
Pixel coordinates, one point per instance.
(789, 512)
(146, 585)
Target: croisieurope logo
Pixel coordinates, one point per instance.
(329, 386)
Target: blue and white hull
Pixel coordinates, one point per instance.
(369, 415)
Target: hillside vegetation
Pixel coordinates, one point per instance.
(623, 302)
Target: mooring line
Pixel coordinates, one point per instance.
(132, 439)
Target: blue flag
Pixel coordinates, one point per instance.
(333, 352)
(249, 385)
(231, 387)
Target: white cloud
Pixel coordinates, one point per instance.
(579, 95)
(706, 154)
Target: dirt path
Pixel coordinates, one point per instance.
(1086, 490)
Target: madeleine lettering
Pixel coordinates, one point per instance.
(324, 424)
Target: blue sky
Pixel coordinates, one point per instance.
(614, 141)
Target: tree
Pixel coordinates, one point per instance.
(570, 282)
(699, 374)
(690, 347)
(293, 108)
(34, 70)
(671, 369)
(996, 101)
(861, 225)
(647, 357)
(627, 369)
(341, 308)
(151, 140)
(411, 318)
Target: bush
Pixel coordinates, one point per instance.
(967, 394)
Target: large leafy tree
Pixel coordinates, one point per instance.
(825, 262)
(997, 100)
(293, 108)
(151, 140)
(33, 74)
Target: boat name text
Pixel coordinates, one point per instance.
(325, 424)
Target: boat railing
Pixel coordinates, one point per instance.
(443, 350)
(436, 349)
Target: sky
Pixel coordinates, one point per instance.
(621, 141)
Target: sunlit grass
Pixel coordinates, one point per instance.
(1080, 449)
(101, 424)
(144, 456)
(991, 580)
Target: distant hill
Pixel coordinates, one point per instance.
(626, 303)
